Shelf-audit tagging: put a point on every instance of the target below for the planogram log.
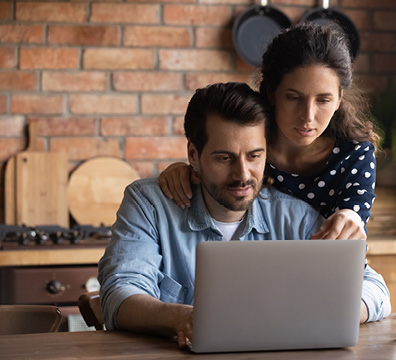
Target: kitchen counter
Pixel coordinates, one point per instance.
(42, 257)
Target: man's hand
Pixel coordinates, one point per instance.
(344, 224)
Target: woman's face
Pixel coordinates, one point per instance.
(305, 102)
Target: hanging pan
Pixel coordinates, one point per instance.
(325, 15)
(254, 29)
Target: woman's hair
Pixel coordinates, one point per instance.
(308, 44)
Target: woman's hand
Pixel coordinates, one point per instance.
(175, 183)
(343, 224)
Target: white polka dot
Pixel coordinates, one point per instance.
(321, 184)
(347, 157)
(348, 185)
(373, 186)
(333, 172)
(301, 186)
(336, 150)
(356, 184)
(331, 192)
(342, 170)
(294, 175)
(367, 148)
(372, 165)
(280, 178)
(356, 208)
(354, 171)
(310, 195)
(361, 157)
(361, 191)
(272, 166)
(323, 204)
(367, 175)
(347, 199)
(357, 147)
(367, 205)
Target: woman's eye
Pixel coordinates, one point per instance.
(292, 97)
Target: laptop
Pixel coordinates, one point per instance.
(277, 295)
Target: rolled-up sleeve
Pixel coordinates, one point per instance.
(376, 295)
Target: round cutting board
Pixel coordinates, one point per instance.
(96, 188)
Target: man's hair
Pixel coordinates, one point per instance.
(234, 102)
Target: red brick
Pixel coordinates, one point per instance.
(135, 126)
(49, 58)
(198, 80)
(228, 2)
(118, 59)
(166, 1)
(384, 63)
(37, 104)
(12, 126)
(18, 80)
(3, 103)
(50, 11)
(156, 148)
(5, 10)
(197, 15)
(178, 125)
(214, 38)
(385, 20)
(377, 42)
(360, 18)
(83, 35)
(164, 36)
(10, 146)
(362, 63)
(370, 83)
(102, 104)
(21, 33)
(164, 104)
(369, 4)
(146, 81)
(144, 168)
(60, 126)
(7, 58)
(125, 13)
(195, 60)
(80, 81)
(83, 148)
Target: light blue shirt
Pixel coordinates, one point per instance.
(152, 250)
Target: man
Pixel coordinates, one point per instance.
(147, 272)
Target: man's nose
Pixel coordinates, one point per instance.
(241, 170)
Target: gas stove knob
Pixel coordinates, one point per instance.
(55, 287)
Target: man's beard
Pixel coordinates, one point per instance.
(240, 203)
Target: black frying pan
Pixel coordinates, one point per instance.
(255, 28)
(326, 15)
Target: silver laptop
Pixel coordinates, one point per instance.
(277, 295)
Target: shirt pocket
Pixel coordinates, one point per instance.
(171, 291)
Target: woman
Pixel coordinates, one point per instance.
(321, 140)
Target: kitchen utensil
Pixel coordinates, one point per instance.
(35, 186)
(95, 190)
(326, 15)
(255, 28)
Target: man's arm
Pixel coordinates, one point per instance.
(143, 313)
(363, 312)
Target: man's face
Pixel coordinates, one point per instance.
(231, 167)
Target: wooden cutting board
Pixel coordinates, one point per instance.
(96, 188)
(36, 185)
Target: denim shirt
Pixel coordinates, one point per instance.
(152, 250)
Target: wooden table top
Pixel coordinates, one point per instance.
(376, 341)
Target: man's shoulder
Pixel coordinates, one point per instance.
(146, 186)
(274, 196)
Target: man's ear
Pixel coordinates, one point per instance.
(192, 154)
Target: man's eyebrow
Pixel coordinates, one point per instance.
(218, 152)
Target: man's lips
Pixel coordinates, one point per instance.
(241, 191)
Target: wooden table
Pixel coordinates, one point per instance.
(377, 341)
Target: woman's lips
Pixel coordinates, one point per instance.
(305, 132)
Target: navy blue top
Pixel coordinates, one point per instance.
(346, 182)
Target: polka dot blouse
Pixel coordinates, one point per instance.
(346, 182)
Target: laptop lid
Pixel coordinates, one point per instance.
(277, 295)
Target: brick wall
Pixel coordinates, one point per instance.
(114, 77)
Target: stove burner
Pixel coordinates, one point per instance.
(13, 236)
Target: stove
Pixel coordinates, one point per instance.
(59, 285)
